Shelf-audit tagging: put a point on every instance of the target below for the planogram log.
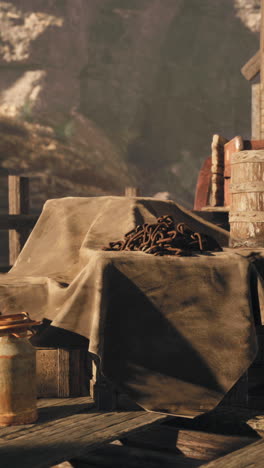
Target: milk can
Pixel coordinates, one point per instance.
(18, 395)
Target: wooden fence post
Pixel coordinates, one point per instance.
(255, 111)
(18, 201)
(132, 192)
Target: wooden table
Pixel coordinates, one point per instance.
(66, 428)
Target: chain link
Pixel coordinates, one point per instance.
(162, 238)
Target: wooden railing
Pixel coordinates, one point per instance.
(17, 221)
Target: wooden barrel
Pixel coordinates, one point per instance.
(246, 216)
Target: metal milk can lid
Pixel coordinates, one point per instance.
(15, 323)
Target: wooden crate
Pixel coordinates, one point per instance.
(63, 372)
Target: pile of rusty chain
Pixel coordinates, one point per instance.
(162, 238)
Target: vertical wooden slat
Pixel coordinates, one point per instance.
(80, 372)
(47, 371)
(217, 169)
(132, 192)
(255, 111)
(63, 373)
(18, 201)
(232, 146)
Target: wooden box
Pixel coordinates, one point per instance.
(63, 372)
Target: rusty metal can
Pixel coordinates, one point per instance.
(18, 395)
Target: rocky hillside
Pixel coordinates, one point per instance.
(86, 165)
(99, 94)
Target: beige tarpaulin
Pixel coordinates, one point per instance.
(175, 333)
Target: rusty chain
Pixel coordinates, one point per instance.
(162, 238)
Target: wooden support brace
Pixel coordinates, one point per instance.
(18, 200)
(255, 111)
(63, 372)
(252, 67)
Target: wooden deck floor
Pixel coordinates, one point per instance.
(73, 429)
(66, 428)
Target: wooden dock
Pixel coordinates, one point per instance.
(73, 430)
(66, 429)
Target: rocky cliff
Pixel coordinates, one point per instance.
(101, 94)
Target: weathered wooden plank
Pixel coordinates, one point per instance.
(255, 111)
(17, 221)
(62, 439)
(132, 192)
(252, 67)
(233, 146)
(50, 409)
(250, 456)
(217, 147)
(63, 402)
(236, 421)
(118, 456)
(18, 201)
(191, 443)
(63, 372)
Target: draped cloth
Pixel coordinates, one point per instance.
(174, 333)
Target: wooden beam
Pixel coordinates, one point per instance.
(18, 200)
(17, 221)
(62, 438)
(255, 111)
(252, 67)
(217, 169)
(191, 443)
(62, 372)
(116, 456)
(250, 456)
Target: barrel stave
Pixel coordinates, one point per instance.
(246, 215)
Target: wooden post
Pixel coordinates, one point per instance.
(217, 169)
(18, 201)
(132, 192)
(255, 112)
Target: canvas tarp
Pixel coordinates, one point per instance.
(174, 333)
